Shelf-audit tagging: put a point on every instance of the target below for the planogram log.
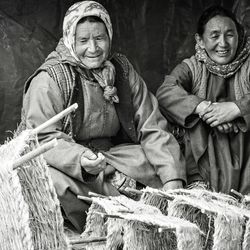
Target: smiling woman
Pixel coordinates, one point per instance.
(208, 97)
(117, 137)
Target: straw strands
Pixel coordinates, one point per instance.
(30, 194)
(221, 217)
(156, 198)
(46, 220)
(136, 226)
(14, 212)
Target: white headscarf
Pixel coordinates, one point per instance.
(105, 75)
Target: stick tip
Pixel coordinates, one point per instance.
(75, 106)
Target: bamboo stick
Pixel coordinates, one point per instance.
(55, 118)
(167, 196)
(164, 229)
(132, 190)
(110, 216)
(115, 216)
(236, 195)
(29, 156)
(86, 240)
(140, 192)
(85, 198)
(97, 195)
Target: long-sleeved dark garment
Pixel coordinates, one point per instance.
(222, 159)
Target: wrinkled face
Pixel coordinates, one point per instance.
(92, 43)
(220, 39)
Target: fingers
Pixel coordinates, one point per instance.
(220, 128)
(226, 127)
(89, 155)
(176, 184)
(93, 166)
(235, 128)
(202, 107)
(86, 161)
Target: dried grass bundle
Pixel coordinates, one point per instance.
(140, 236)
(114, 233)
(136, 226)
(214, 213)
(246, 238)
(156, 198)
(46, 220)
(95, 227)
(15, 232)
(222, 222)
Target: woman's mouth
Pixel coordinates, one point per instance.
(93, 56)
(222, 52)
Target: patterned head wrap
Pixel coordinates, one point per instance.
(229, 69)
(105, 75)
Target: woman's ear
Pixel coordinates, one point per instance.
(199, 41)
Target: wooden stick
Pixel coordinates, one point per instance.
(133, 190)
(85, 198)
(160, 229)
(165, 229)
(29, 156)
(86, 240)
(167, 196)
(236, 195)
(110, 216)
(140, 192)
(55, 118)
(97, 195)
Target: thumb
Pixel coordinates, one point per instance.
(89, 155)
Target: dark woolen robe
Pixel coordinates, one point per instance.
(222, 159)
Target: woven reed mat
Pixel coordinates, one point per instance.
(15, 232)
(45, 218)
(134, 225)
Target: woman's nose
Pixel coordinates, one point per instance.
(222, 40)
(92, 46)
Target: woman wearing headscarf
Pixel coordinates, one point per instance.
(117, 137)
(207, 98)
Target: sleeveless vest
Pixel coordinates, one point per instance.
(200, 76)
(68, 81)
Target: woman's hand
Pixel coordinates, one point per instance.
(228, 127)
(175, 184)
(219, 113)
(202, 107)
(92, 163)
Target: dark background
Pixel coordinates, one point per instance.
(154, 34)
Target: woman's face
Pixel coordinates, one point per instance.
(92, 43)
(220, 39)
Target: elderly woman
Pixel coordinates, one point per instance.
(207, 98)
(117, 136)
